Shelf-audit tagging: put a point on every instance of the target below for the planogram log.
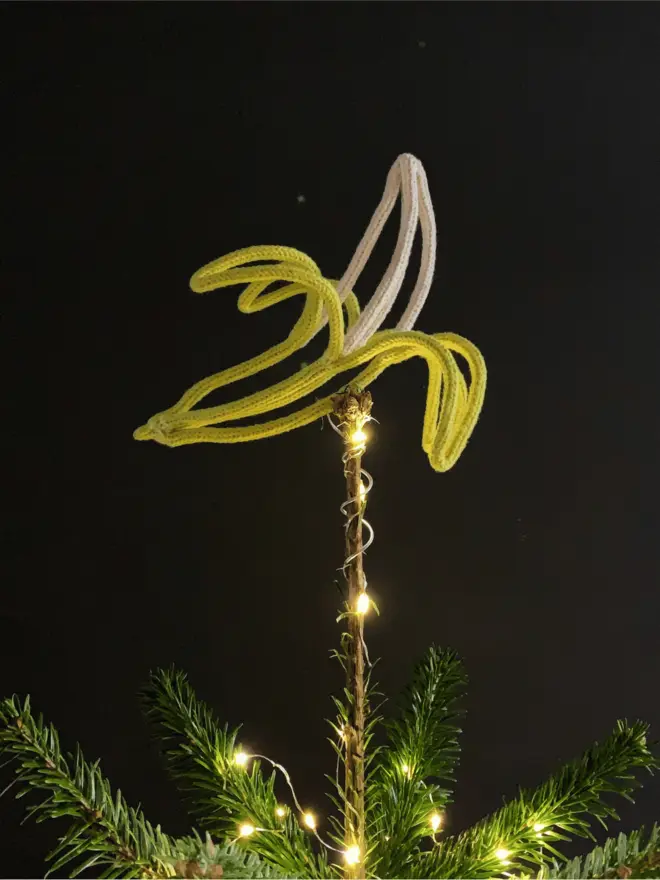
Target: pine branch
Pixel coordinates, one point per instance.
(105, 831)
(196, 858)
(625, 856)
(527, 827)
(201, 757)
(423, 746)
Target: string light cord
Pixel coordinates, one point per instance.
(368, 544)
(364, 645)
(296, 802)
(355, 341)
(355, 452)
(362, 498)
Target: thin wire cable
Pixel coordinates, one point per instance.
(356, 451)
(365, 547)
(296, 802)
(366, 652)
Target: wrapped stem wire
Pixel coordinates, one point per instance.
(352, 410)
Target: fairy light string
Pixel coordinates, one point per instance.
(247, 829)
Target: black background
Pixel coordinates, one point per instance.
(144, 140)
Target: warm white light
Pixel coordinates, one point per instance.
(241, 758)
(358, 437)
(352, 855)
(363, 603)
(538, 826)
(502, 855)
(405, 769)
(363, 491)
(309, 820)
(280, 812)
(436, 821)
(246, 830)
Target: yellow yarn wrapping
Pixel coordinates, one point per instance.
(452, 404)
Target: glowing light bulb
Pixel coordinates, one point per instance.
(363, 603)
(363, 491)
(405, 769)
(241, 759)
(280, 812)
(310, 821)
(246, 830)
(538, 826)
(436, 822)
(352, 855)
(502, 854)
(358, 437)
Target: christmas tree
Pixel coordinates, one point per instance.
(394, 771)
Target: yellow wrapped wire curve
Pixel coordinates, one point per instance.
(452, 403)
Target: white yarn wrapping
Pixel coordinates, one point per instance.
(408, 179)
